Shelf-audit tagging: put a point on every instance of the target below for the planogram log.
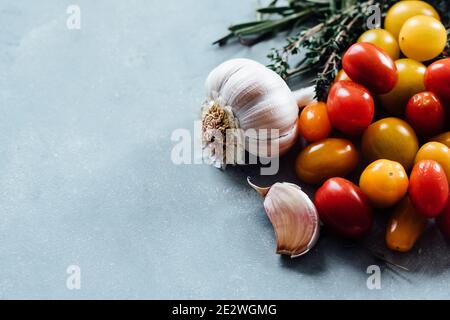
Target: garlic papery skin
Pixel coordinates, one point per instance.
(305, 96)
(293, 216)
(244, 95)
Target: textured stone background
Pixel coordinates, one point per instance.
(86, 118)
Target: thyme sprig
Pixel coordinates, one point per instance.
(322, 44)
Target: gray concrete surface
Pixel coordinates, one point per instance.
(86, 178)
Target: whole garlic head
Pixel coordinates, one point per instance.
(244, 94)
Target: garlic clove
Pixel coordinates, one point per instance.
(293, 216)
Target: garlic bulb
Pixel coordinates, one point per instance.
(293, 216)
(244, 94)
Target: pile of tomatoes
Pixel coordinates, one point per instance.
(406, 155)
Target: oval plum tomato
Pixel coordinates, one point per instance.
(326, 159)
(344, 208)
(350, 107)
(437, 79)
(385, 182)
(313, 123)
(404, 227)
(426, 114)
(428, 188)
(443, 221)
(371, 67)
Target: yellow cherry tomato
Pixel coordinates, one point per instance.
(391, 139)
(313, 123)
(404, 227)
(384, 182)
(402, 11)
(438, 152)
(443, 138)
(341, 76)
(410, 82)
(382, 39)
(326, 159)
(422, 38)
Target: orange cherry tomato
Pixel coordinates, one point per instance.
(384, 182)
(404, 227)
(326, 159)
(313, 122)
(428, 188)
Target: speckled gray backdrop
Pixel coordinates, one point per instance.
(86, 179)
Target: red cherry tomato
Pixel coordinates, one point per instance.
(443, 221)
(371, 67)
(350, 107)
(344, 208)
(428, 188)
(437, 79)
(426, 114)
